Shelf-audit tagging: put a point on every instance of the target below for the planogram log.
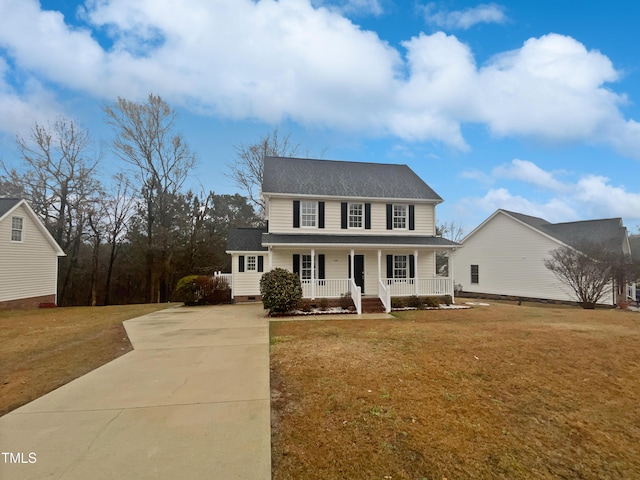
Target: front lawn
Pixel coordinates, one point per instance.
(503, 391)
(42, 349)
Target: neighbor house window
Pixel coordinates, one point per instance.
(475, 274)
(355, 215)
(305, 267)
(400, 216)
(17, 224)
(308, 214)
(399, 266)
(252, 263)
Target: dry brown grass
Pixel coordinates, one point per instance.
(504, 391)
(42, 349)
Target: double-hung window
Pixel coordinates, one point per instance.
(400, 266)
(252, 263)
(17, 227)
(400, 217)
(308, 214)
(356, 213)
(305, 267)
(475, 274)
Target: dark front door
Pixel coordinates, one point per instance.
(358, 267)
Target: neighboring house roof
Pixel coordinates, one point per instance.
(608, 232)
(245, 239)
(328, 239)
(301, 176)
(9, 205)
(634, 243)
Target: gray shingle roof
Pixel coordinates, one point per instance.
(245, 239)
(7, 204)
(392, 240)
(343, 179)
(608, 232)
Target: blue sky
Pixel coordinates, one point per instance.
(527, 106)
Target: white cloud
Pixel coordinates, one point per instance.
(356, 7)
(464, 19)
(587, 197)
(271, 60)
(529, 172)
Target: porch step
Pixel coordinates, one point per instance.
(372, 305)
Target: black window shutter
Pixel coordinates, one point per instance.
(261, 263)
(320, 214)
(241, 263)
(321, 267)
(412, 269)
(412, 217)
(389, 216)
(296, 264)
(343, 215)
(389, 266)
(367, 216)
(296, 214)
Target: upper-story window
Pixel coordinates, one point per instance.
(356, 213)
(17, 227)
(308, 214)
(400, 216)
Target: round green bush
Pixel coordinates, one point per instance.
(202, 289)
(281, 290)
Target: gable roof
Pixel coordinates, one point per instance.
(303, 176)
(9, 205)
(242, 239)
(608, 232)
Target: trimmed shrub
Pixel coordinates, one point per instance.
(397, 302)
(414, 302)
(324, 304)
(448, 300)
(432, 302)
(305, 306)
(202, 289)
(281, 290)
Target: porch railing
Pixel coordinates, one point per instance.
(331, 288)
(384, 293)
(631, 291)
(356, 295)
(227, 276)
(405, 287)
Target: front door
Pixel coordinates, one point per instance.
(358, 274)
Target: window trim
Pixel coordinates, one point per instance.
(304, 267)
(405, 217)
(304, 203)
(349, 216)
(19, 230)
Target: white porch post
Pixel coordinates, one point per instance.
(379, 265)
(313, 274)
(415, 272)
(351, 262)
(270, 256)
(450, 275)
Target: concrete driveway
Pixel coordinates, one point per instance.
(191, 401)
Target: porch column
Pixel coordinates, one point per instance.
(313, 274)
(270, 256)
(450, 275)
(415, 271)
(379, 265)
(351, 263)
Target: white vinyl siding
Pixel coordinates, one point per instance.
(247, 283)
(281, 211)
(509, 256)
(28, 268)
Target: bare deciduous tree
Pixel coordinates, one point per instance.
(451, 231)
(247, 170)
(160, 161)
(584, 270)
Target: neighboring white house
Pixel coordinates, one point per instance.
(368, 229)
(505, 254)
(28, 257)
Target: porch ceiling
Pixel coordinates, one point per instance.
(333, 240)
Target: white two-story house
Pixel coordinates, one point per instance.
(367, 229)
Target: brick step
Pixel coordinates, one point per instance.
(372, 305)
